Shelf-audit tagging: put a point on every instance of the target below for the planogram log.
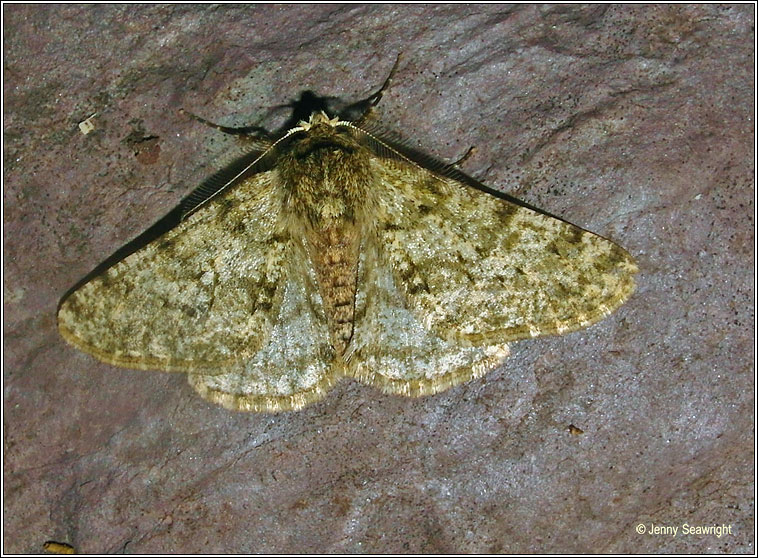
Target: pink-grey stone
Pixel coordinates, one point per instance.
(635, 122)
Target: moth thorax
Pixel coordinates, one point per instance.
(329, 182)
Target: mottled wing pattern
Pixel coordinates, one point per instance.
(294, 367)
(394, 350)
(202, 297)
(477, 269)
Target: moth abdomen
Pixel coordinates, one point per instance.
(334, 253)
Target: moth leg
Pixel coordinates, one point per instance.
(374, 99)
(458, 162)
(256, 134)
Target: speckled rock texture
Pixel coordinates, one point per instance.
(634, 122)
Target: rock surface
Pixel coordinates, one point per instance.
(634, 122)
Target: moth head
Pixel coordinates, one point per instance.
(317, 118)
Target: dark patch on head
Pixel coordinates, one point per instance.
(314, 143)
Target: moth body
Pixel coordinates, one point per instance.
(326, 176)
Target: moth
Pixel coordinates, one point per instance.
(331, 250)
